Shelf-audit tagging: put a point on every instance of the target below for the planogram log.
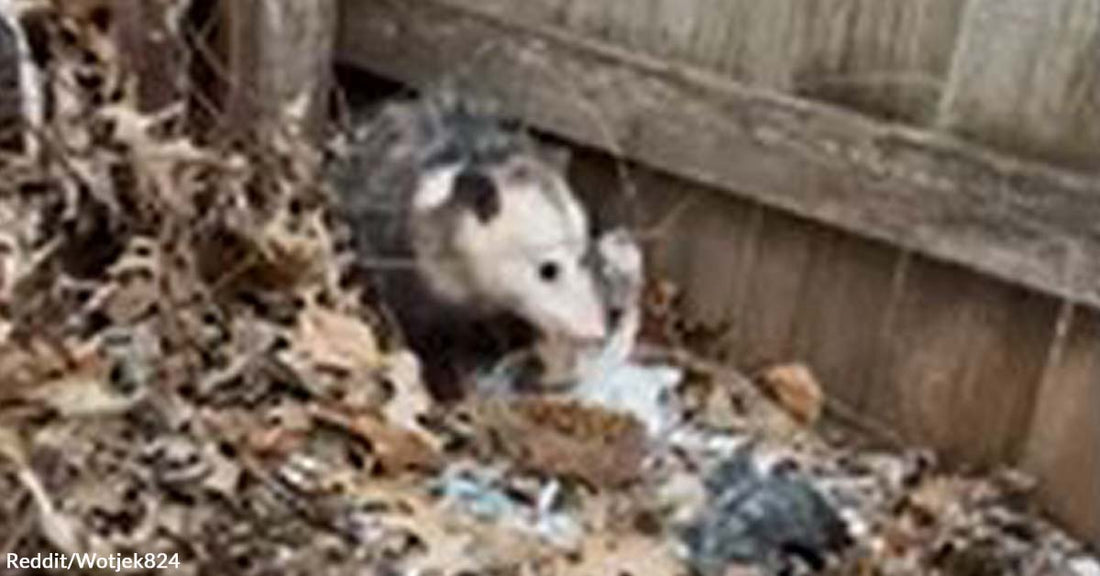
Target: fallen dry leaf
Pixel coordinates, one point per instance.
(25, 365)
(338, 342)
(796, 389)
(410, 400)
(397, 449)
(73, 382)
(59, 529)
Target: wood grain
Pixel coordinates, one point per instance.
(1063, 449)
(278, 56)
(765, 322)
(843, 313)
(961, 364)
(1021, 222)
(714, 237)
(1025, 78)
(885, 57)
(152, 50)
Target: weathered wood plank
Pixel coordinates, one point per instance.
(278, 58)
(714, 232)
(784, 288)
(843, 314)
(1063, 449)
(152, 49)
(962, 363)
(887, 57)
(765, 321)
(1026, 79)
(1014, 220)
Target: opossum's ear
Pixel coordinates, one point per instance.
(476, 190)
(557, 157)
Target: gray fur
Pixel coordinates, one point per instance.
(420, 177)
(403, 140)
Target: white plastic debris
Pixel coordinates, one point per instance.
(482, 493)
(1084, 566)
(645, 392)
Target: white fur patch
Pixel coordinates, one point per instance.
(537, 226)
(498, 263)
(530, 225)
(435, 188)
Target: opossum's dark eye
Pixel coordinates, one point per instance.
(549, 271)
(615, 315)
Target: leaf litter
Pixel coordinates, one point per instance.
(183, 369)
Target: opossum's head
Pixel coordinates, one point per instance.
(510, 235)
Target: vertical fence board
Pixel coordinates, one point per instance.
(764, 324)
(962, 364)
(843, 309)
(1063, 450)
(151, 47)
(888, 58)
(1026, 78)
(720, 230)
(279, 55)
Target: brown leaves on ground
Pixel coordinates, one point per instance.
(179, 361)
(623, 555)
(565, 438)
(59, 378)
(397, 449)
(329, 348)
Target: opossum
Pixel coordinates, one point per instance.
(477, 243)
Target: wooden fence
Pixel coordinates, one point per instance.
(903, 193)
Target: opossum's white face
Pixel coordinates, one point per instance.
(520, 243)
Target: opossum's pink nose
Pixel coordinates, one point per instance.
(591, 332)
(579, 324)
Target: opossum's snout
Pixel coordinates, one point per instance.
(566, 303)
